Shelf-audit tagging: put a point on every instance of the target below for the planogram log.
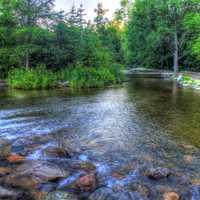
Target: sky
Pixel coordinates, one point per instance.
(89, 6)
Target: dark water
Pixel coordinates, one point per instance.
(150, 121)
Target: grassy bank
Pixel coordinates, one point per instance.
(76, 77)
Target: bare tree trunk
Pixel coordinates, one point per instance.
(176, 61)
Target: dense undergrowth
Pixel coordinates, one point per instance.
(76, 77)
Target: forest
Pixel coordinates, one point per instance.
(39, 46)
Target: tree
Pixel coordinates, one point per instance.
(100, 19)
(156, 34)
(30, 14)
(7, 27)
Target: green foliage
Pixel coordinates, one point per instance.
(77, 77)
(38, 78)
(84, 77)
(152, 28)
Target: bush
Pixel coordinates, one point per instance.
(37, 78)
(77, 77)
(86, 77)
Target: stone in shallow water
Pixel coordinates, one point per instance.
(83, 165)
(141, 188)
(157, 173)
(171, 196)
(4, 171)
(53, 151)
(9, 193)
(108, 194)
(15, 158)
(60, 196)
(33, 173)
(86, 183)
(5, 151)
(101, 194)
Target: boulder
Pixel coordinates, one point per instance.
(58, 195)
(33, 173)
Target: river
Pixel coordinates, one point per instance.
(148, 121)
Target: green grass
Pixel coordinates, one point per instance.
(38, 78)
(77, 77)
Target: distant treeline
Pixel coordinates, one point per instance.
(145, 33)
(164, 34)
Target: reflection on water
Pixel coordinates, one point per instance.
(151, 120)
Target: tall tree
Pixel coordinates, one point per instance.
(30, 14)
(7, 40)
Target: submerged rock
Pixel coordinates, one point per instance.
(58, 195)
(53, 151)
(5, 171)
(171, 196)
(83, 165)
(5, 151)
(101, 194)
(157, 173)
(86, 183)
(15, 158)
(108, 194)
(140, 188)
(33, 173)
(9, 193)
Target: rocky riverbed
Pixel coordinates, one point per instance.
(43, 170)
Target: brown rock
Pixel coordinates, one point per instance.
(141, 188)
(56, 152)
(32, 173)
(196, 181)
(84, 165)
(5, 151)
(4, 171)
(171, 196)
(188, 158)
(15, 158)
(87, 182)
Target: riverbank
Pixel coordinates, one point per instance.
(39, 169)
(74, 77)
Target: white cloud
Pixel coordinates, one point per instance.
(89, 6)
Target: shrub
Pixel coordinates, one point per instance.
(37, 78)
(86, 77)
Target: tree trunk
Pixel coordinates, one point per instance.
(176, 65)
(27, 60)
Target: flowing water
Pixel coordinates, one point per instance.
(146, 120)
